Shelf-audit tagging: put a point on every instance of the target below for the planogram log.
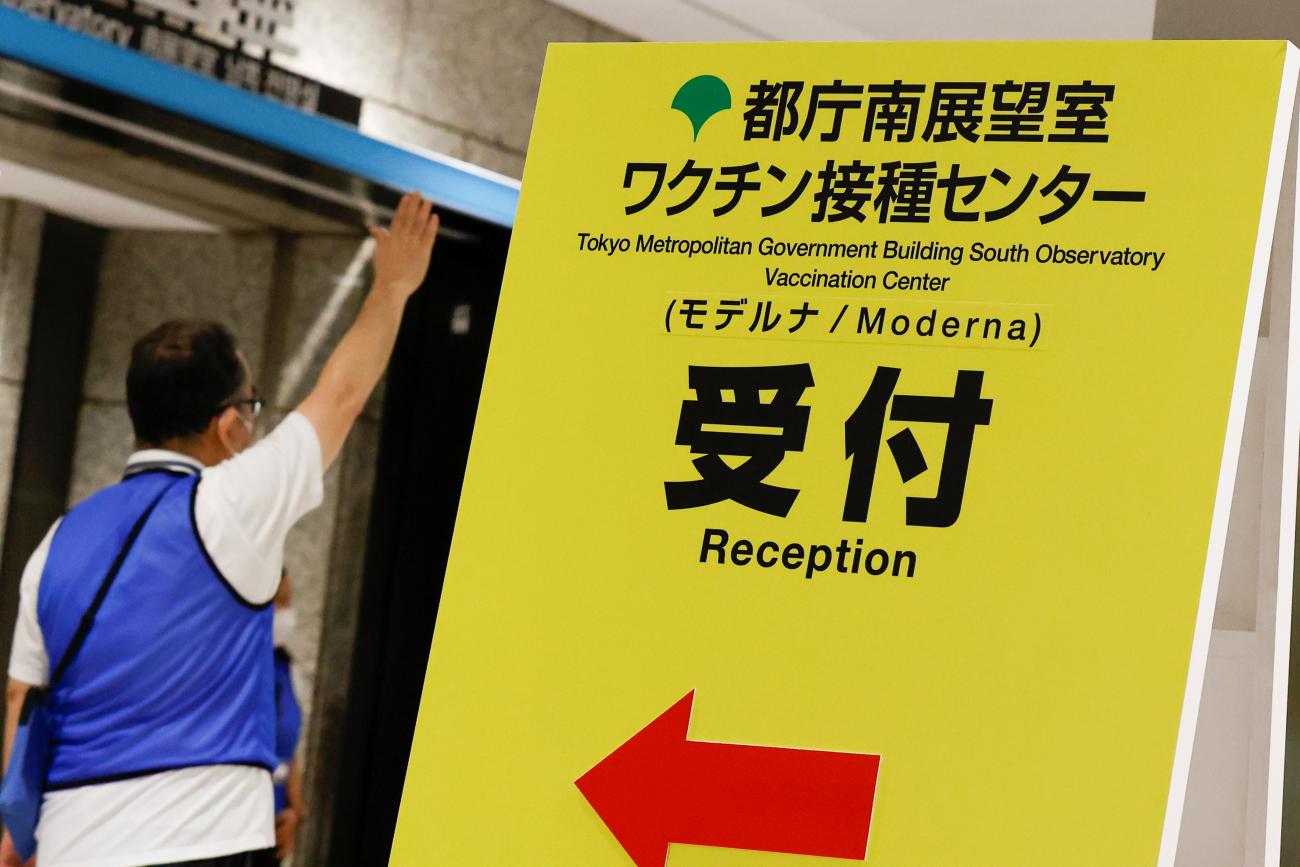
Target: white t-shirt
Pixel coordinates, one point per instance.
(243, 509)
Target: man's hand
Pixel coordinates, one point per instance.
(402, 250)
(353, 369)
(9, 855)
(286, 829)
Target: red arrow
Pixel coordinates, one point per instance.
(660, 788)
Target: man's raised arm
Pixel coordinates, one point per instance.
(353, 370)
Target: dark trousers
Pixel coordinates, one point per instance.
(265, 858)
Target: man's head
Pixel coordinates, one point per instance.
(189, 389)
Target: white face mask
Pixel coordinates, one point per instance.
(230, 453)
(283, 626)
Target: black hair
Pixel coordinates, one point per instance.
(181, 375)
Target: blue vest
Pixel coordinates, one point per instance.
(178, 670)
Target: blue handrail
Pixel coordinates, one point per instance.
(74, 55)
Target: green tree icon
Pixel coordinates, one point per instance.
(701, 98)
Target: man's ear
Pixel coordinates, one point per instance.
(221, 430)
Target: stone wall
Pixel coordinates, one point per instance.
(20, 247)
(455, 76)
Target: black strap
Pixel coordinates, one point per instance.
(88, 619)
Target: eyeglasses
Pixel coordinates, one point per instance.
(254, 404)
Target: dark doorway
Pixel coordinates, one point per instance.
(432, 395)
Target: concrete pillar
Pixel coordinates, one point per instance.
(20, 246)
(455, 76)
(1240, 19)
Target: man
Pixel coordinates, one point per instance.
(164, 723)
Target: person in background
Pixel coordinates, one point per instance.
(164, 723)
(289, 810)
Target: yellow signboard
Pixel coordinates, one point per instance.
(849, 477)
